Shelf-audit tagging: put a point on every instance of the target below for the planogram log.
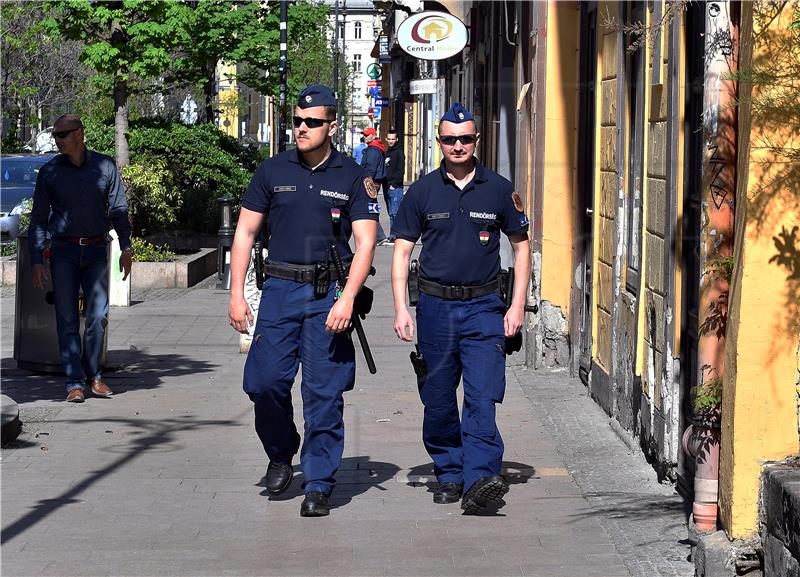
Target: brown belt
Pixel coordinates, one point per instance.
(84, 240)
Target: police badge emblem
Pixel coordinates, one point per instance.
(484, 237)
(308, 98)
(336, 214)
(517, 200)
(372, 188)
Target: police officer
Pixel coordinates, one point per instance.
(312, 197)
(459, 211)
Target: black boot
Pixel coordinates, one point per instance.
(279, 477)
(486, 491)
(315, 505)
(448, 493)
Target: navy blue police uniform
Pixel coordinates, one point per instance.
(307, 210)
(461, 334)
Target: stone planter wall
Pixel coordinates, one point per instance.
(780, 519)
(182, 273)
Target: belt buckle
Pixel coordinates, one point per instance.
(83, 241)
(457, 292)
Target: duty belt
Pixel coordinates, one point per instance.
(84, 240)
(456, 292)
(304, 273)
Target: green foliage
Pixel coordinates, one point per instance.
(122, 38)
(153, 199)
(144, 251)
(8, 249)
(720, 268)
(200, 164)
(707, 397)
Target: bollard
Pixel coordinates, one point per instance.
(224, 243)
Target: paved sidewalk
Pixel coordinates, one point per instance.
(165, 478)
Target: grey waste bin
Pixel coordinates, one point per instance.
(35, 336)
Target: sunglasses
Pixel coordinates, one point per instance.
(464, 138)
(310, 122)
(63, 133)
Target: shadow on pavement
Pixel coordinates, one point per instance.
(126, 370)
(356, 476)
(515, 473)
(634, 506)
(156, 435)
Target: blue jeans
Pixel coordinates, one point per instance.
(395, 197)
(72, 267)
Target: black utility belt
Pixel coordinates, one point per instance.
(455, 292)
(305, 273)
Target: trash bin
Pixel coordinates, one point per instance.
(35, 335)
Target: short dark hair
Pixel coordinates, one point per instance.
(392, 130)
(72, 119)
(331, 112)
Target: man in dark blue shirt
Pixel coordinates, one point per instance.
(311, 197)
(459, 211)
(78, 195)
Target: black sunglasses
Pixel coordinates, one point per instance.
(464, 138)
(310, 122)
(64, 133)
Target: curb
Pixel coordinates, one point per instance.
(11, 426)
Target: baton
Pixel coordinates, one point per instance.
(355, 319)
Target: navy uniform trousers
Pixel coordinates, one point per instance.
(290, 331)
(462, 338)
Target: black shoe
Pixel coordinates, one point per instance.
(448, 493)
(279, 477)
(485, 492)
(315, 505)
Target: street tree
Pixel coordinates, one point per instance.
(39, 75)
(123, 40)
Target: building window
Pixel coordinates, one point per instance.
(356, 62)
(357, 31)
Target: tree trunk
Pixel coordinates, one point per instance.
(121, 150)
(210, 91)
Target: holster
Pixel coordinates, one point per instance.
(413, 283)
(362, 305)
(505, 286)
(419, 364)
(506, 291)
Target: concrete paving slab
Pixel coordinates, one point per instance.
(166, 477)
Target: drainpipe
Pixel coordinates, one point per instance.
(702, 439)
(702, 443)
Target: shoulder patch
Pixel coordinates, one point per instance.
(372, 188)
(517, 200)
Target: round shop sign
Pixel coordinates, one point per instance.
(432, 35)
(374, 71)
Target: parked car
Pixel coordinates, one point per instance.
(17, 182)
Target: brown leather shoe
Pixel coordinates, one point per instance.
(100, 389)
(75, 396)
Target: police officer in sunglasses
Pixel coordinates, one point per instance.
(311, 197)
(459, 211)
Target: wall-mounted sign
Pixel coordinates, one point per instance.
(383, 50)
(432, 35)
(426, 86)
(374, 71)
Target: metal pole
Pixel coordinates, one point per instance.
(282, 70)
(336, 62)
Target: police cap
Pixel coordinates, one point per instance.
(457, 114)
(316, 95)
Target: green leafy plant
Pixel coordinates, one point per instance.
(200, 164)
(8, 249)
(707, 397)
(144, 251)
(153, 199)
